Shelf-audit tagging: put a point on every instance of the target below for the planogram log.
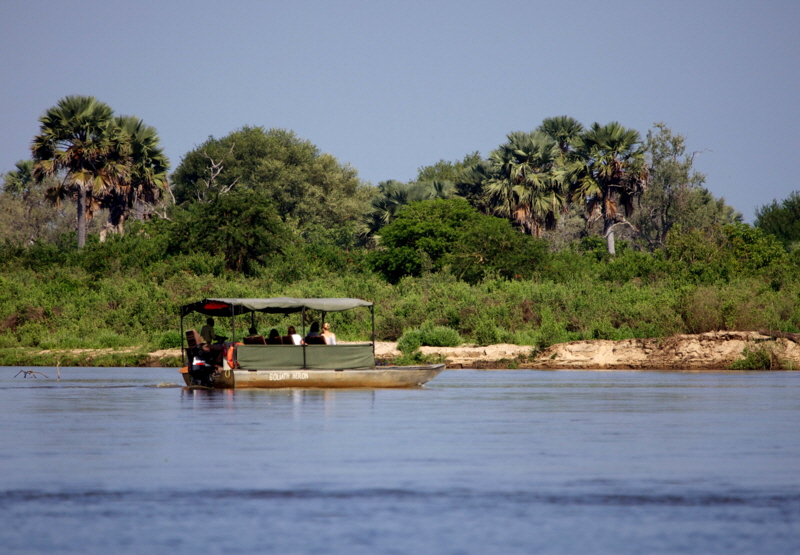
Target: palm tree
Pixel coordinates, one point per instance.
(566, 131)
(395, 195)
(19, 181)
(470, 182)
(609, 174)
(522, 184)
(146, 180)
(80, 144)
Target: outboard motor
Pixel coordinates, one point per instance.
(201, 372)
(201, 360)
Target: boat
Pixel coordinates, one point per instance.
(288, 365)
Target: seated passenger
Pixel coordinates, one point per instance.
(314, 337)
(293, 337)
(274, 337)
(330, 337)
(254, 338)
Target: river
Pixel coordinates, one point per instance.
(121, 460)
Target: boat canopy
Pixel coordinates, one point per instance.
(278, 305)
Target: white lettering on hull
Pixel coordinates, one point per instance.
(276, 376)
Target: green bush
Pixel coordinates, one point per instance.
(429, 335)
(487, 333)
(410, 341)
(170, 339)
(759, 358)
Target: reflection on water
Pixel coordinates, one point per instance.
(124, 461)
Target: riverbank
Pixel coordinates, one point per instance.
(706, 351)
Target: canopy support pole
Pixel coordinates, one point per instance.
(372, 311)
(183, 350)
(303, 318)
(233, 325)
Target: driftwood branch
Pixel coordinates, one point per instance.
(782, 334)
(26, 373)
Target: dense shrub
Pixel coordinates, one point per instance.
(430, 335)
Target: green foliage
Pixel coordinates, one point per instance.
(241, 226)
(430, 335)
(490, 246)
(420, 237)
(675, 195)
(315, 195)
(728, 252)
(393, 196)
(522, 183)
(487, 332)
(782, 220)
(169, 339)
(98, 160)
(761, 357)
(265, 214)
(444, 170)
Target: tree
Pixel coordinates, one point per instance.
(319, 198)
(489, 245)
(608, 175)
(25, 214)
(80, 144)
(146, 180)
(420, 236)
(470, 185)
(565, 131)
(429, 235)
(242, 226)
(392, 196)
(522, 185)
(444, 170)
(20, 181)
(782, 220)
(675, 195)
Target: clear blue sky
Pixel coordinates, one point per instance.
(391, 86)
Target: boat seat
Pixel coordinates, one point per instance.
(254, 340)
(287, 340)
(193, 339)
(274, 341)
(315, 340)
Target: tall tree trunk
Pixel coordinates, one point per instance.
(81, 217)
(608, 231)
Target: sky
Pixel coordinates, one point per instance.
(389, 87)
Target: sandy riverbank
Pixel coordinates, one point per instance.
(707, 351)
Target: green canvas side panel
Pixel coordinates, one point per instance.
(290, 357)
(339, 356)
(269, 357)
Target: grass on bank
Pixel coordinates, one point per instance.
(22, 356)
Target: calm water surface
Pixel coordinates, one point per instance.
(123, 461)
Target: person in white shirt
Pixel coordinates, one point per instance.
(329, 336)
(296, 339)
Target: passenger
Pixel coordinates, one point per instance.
(314, 337)
(207, 332)
(296, 339)
(254, 338)
(274, 337)
(330, 337)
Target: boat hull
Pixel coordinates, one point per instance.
(378, 377)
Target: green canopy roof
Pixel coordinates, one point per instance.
(278, 305)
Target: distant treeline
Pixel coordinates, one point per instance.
(562, 233)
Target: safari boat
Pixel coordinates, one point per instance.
(277, 366)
